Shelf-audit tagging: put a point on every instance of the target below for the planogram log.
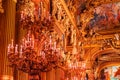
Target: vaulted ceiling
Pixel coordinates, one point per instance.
(98, 22)
(98, 27)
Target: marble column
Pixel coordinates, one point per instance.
(7, 32)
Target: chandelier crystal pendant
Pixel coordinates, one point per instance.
(38, 51)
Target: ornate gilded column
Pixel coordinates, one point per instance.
(7, 32)
(20, 33)
(59, 74)
(22, 75)
(50, 75)
(43, 75)
(1, 8)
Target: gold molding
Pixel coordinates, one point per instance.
(70, 17)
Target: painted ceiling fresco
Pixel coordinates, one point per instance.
(106, 16)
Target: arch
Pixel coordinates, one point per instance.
(105, 64)
(94, 52)
(90, 52)
(106, 51)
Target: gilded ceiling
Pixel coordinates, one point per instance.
(98, 21)
(105, 16)
(93, 16)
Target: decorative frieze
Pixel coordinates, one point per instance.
(61, 15)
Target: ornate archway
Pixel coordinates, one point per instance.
(104, 65)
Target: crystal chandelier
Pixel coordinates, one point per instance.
(28, 58)
(75, 71)
(38, 51)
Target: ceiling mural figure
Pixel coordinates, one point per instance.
(105, 16)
